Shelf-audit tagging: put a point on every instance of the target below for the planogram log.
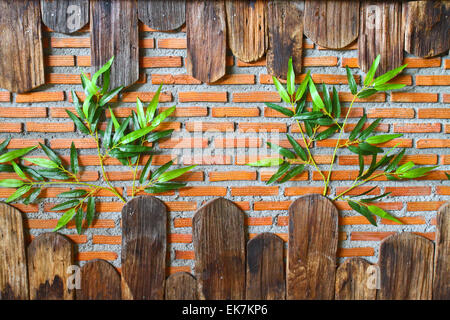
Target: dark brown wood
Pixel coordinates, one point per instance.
(406, 267)
(427, 27)
(265, 268)
(13, 262)
(162, 15)
(381, 32)
(247, 28)
(285, 24)
(181, 286)
(219, 245)
(206, 39)
(353, 280)
(313, 238)
(441, 282)
(144, 242)
(99, 281)
(332, 24)
(22, 57)
(114, 32)
(49, 257)
(65, 16)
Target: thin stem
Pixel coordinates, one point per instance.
(358, 184)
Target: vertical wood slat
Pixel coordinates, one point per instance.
(313, 239)
(162, 15)
(181, 286)
(219, 246)
(441, 281)
(144, 242)
(352, 281)
(99, 281)
(13, 262)
(65, 16)
(265, 268)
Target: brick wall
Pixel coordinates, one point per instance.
(235, 104)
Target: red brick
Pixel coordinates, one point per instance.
(433, 143)
(226, 143)
(232, 176)
(174, 79)
(254, 191)
(209, 126)
(147, 43)
(194, 96)
(39, 97)
(5, 96)
(87, 143)
(234, 112)
(172, 43)
(271, 205)
(160, 62)
(70, 42)
(11, 127)
(145, 96)
(441, 80)
(370, 236)
(207, 160)
(443, 190)
(256, 96)
(434, 113)
(203, 191)
(235, 79)
(59, 61)
(417, 127)
(408, 191)
(398, 113)
(262, 127)
(92, 255)
(424, 205)
(50, 127)
(414, 97)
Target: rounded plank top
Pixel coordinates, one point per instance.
(162, 15)
(99, 281)
(441, 282)
(181, 286)
(356, 280)
(65, 16)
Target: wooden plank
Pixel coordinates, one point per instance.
(219, 246)
(427, 25)
(313, 238)
(265, 268)
(441, 282)
(353, 280)
(99, 281)
(406, 267)
(65, 16)
(285, 24)
(181, 286)
(162, 15)
(206, 39)
(49, 257)
(381, 32)
(332, 24)
(13, 262)
(22, 57)
(114, 32)
(247, 28)
(144, 242)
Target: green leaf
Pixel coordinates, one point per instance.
(327, 133)
(141, 114)
(108, 135)
(281, 90)
(162, 169)
(282, 151)
(371, 169)
(146, 171)
(18, 193)
(132, 136)
(382, 214)
(90, 211)
(280, 109)
(366, 93)
(317, 100)
(107, 97)
(53, 174)
(386, 87)
(417, 173)
(80, 125)
(365, 192)
(280, 172)
(370, 148)
(327, 99)
(89, 87)
(66, 205)
(74, 159)
(120, 132)
(447, 175)
(266, 162)
(396, 161)
(293, 173)
(4, 144)
(375, 198)
(6, 168)
(79, 220)
(388, 75)
(309, 115)
(32, 173)
(102, 70)
(362, 210)
(405, 167)
(9, 156)
(297, 148)
(351, 81)
(324, 121)
(65, 218)
(32, 196)
(336, 104)
(382, 138)
(106, 81)
(157, 135)
(18, 170)
(42, 162)
(114, 119)
(300, 106)
(290, 78)
(134, 148)
(77, 105)
(87, 106)
(165, 186)
(73, 194)
(51, 154)
(173, 174)
(161, 117)
(151, 108)
(308, 128)
(371, 73)
(369, 129)
(11, 183)
(357, 128)
(361, 165)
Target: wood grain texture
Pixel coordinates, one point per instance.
(162, 15)
(22, 57)
(285, 24)
(49, 257)
(427, 27)
(181, 286)
(313, 238)
(332, 24)
(114, 32)
(206, 39)
(353, 280)
(13, 262)
(441, 283)
(265, 268)
(65, 16)
(219, 246)
(406, 267)
(247, 28)
(99, 281)
(381, 32)
(144, 242)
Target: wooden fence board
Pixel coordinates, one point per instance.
(181, 286)
(65, 16)
(144, 242)
(406, 267)
(219, 246)
(352, 281)
(13, 262)
(206, 39)
(162, 15)
(22, 57)
(441, 283)
(285, 25)
(99, 281)
(49, 257)
(265, 268)
(313, 239)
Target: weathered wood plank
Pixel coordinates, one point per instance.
(49, 257)
(381, 32)
(99, 281)
(181, 286)
(427, 27)
(265, 268)
(65, 16)
(144, 242)
(219, 246)
(441, 282)
(206, 39)
(332, 24)
(247, 28)
(313, 238)
(285, 24)
(114, 32)
(162, 15)
(406, 267)
(22, 57)
(13, 262)
(353, 281)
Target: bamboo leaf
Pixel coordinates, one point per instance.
(77, 105)
(290, 78)
(327, 133)
(32, 196)
(317, 100)
(281, 90)
(11, 183)
(65, 218)
(18, 170)
(382, 214)
(387, 87)
(336, 104)
(351, 81)
(157, 135)
(293, 173)
(18, 193)
(395, 161)
(80, 125)
(161, 117)
(73, 193)
(42, 162)
(90, 211)
(281, 171)
(280, 109)
(151, 108)
(309, 115)
(371, 73)
(369, 129)
(165, 186)
(364, 211)
(146, 171)
(4, 144)
(327, 99)
(366, 93)
(375, 198)
(266, 162)
(51, 154)
(388, 75)
(120, 132)
(140, 113)
(303, 86)
(114, 119)
(282, 151)
(170, 175)
(162, 169)
(74, 159)
(382, 138)
(297, 148)
(9, 156)
(417, 172)
(107, 97)
(357, 128)
(79, 220)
